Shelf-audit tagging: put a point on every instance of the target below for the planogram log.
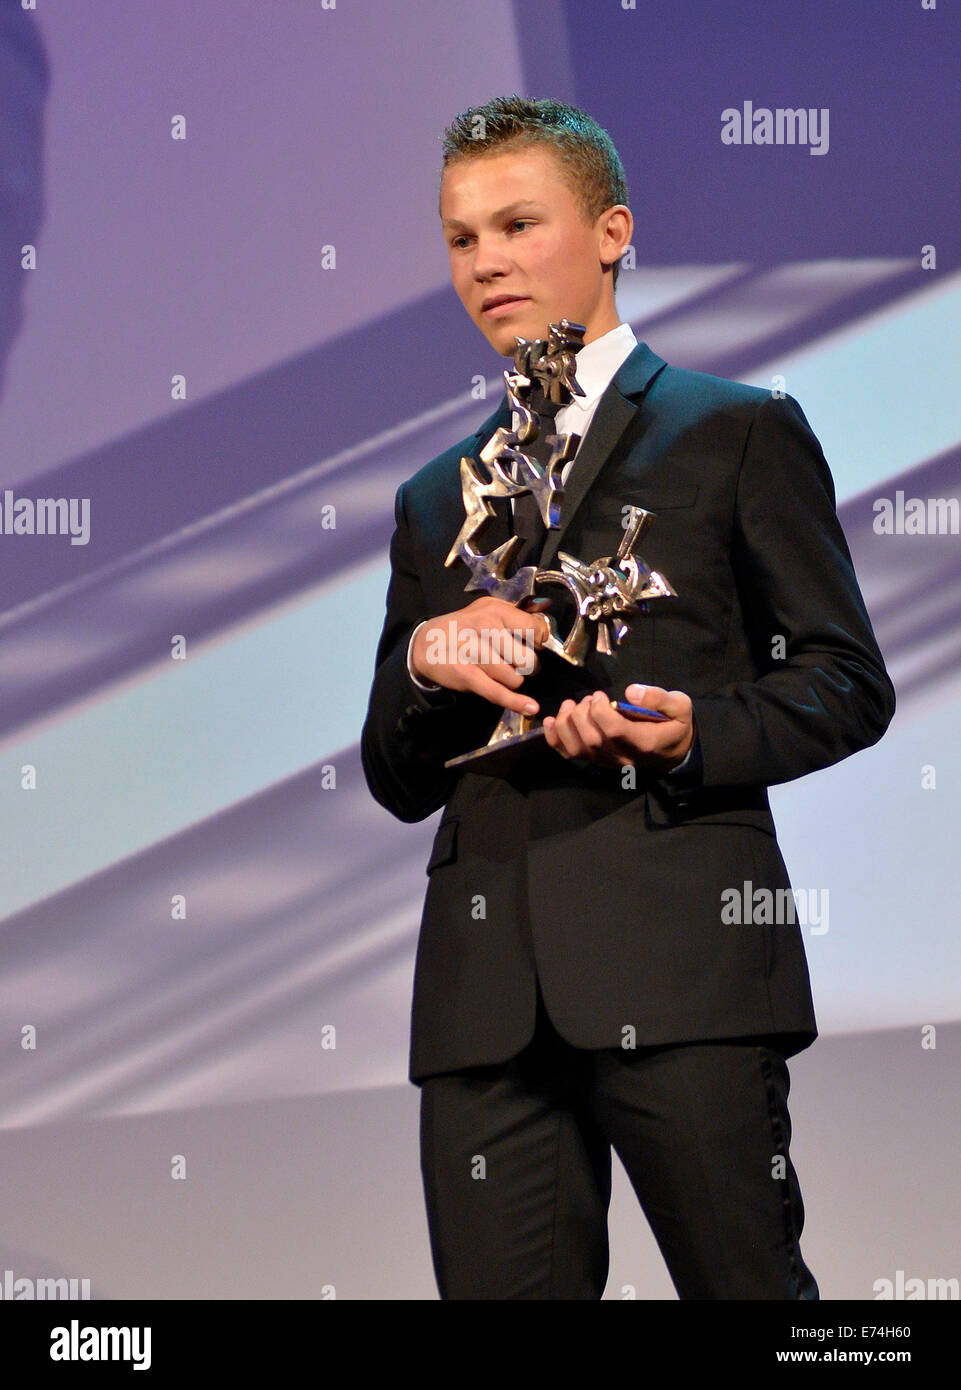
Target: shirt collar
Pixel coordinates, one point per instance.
(598, 361)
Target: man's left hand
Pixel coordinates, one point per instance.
(590, 728)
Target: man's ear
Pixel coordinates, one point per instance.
(617, 227)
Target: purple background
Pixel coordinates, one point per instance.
(309, 388)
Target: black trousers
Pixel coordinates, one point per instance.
(516, 1162)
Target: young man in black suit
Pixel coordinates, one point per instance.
(580, 984)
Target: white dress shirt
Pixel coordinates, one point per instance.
(595, 367)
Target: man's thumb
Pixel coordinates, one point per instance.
(643, 695)
(673, 703)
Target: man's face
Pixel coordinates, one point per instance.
(522, 255)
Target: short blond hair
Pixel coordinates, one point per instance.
(587, 155)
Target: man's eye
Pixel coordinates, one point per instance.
(458, 239)
(521, 222)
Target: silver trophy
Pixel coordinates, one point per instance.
(607, 593)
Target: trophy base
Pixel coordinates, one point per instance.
(499, 756)
(549, 687)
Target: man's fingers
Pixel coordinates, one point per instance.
(506, 652)
(596, 739)
(480, 683)
(630, 735)
(542, 629)
(582, 718)
(611, 724)
(536, 608)
(568, 738)
(517, 647)
(591, 728)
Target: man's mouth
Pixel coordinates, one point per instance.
(497, 305)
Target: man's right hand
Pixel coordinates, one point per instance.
(488, 648)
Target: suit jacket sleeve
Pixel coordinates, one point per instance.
(409, 731)
(830, 694)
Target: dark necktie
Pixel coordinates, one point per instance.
(528, 522)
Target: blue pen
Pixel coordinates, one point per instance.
(637, 711)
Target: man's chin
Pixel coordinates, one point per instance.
(501, 341)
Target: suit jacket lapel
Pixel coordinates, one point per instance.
(615, 411)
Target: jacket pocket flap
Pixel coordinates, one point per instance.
(445, 843)
(695, 809)
(681, 496)
(760, 820)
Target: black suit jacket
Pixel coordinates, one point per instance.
(612, 892)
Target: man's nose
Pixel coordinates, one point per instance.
(489, 259)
